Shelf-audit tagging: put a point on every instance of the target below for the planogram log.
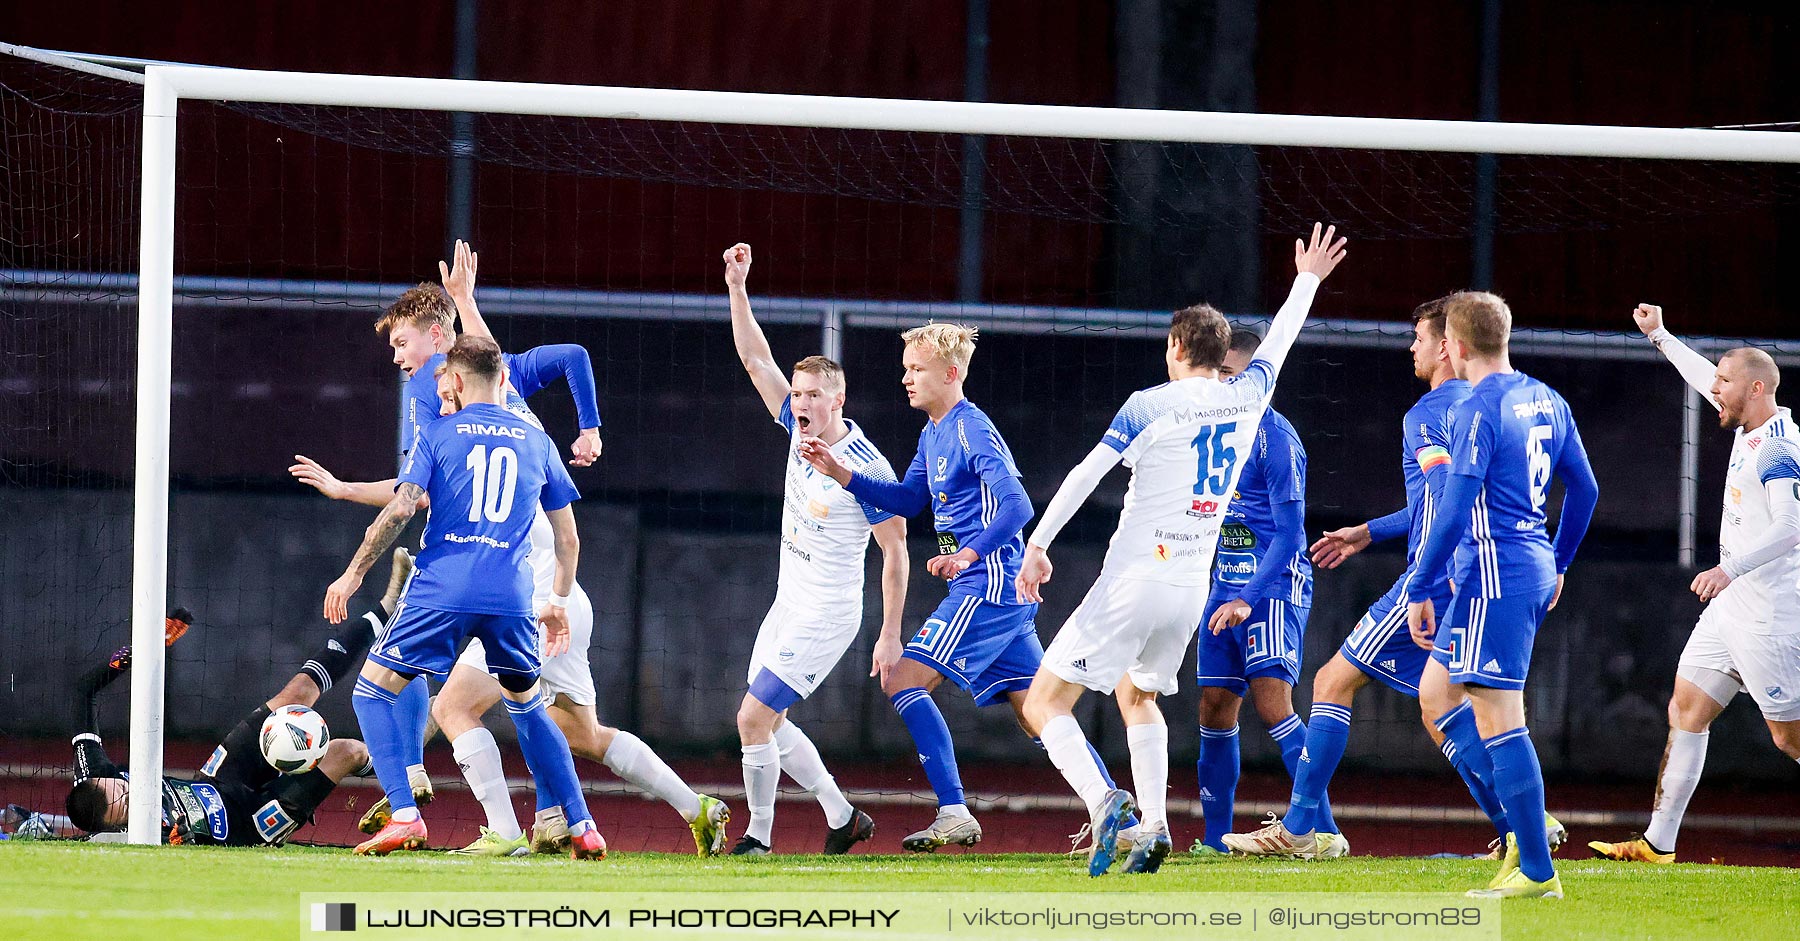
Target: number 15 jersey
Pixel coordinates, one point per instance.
(1186, 442)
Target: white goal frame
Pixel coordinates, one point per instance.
(165, 86)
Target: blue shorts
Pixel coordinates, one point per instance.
(987, 649)
(426, 640)
(1383, 648)
(1267, 643)
(1487, 641)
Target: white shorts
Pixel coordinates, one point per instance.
(1128, 627)
(1767, 664)
(567, 675)
(800, 648)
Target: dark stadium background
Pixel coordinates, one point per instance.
(678, 530)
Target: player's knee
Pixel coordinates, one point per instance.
(1218, 707)
(755, 718)
(1274, 700)
(348, 751)
(1787, 738)
(1336, 682)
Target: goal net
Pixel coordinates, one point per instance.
(304, 205)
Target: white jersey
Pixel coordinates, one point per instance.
(1185, 442)
(1766, 599)
(825, 529)
(1765, 456)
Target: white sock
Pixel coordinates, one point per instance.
(1150, 773)
(1068, 750)
(479, 758)
(762, 771)
(955, 810)
(406, 815)
(800, 759)
(1680, 775)
(631, 759)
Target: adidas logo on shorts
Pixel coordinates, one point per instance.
(1492, 666)
(1389, 665)
(1080, 664)
(961, 663)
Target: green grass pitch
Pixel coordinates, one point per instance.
(75, 890)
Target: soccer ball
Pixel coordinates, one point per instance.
(293, 739)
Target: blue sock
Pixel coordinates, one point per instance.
(378, 712)
(1520, 783)
(1482, 791)
(413, 708)
(547, 755)
(1218, 769)
(1315, 760)
(1464, 748)
(1293, 738)
(932, 738)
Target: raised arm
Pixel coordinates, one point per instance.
(1314, 260)
(459, 282)
(1696, 370)
(752, 347)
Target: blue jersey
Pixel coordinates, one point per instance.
(1274, 474)
(962, 460)
(486, 471)
(1512, 433)
(1425, 452)
(527, 374)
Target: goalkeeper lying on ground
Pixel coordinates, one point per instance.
(238, 798)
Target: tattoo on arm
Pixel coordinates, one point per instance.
(388, 525)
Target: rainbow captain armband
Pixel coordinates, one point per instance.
(1431, 456)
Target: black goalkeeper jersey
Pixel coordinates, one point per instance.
(207, 812)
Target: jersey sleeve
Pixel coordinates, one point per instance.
(1778, 459)
(559, 488)
(786, 418)
(1284, 467)
(534, 370)
(1696, 370)
(988, 454)
(420, 460)
(419, 409)
(902, 498)
(879, 470)
(1283, 331)
(1581, 494)
(1133, 417)
(1472, 439)
(1428, 445)
(1775, 464)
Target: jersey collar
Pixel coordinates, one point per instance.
(1781, 414)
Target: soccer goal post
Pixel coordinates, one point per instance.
(166, 87)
